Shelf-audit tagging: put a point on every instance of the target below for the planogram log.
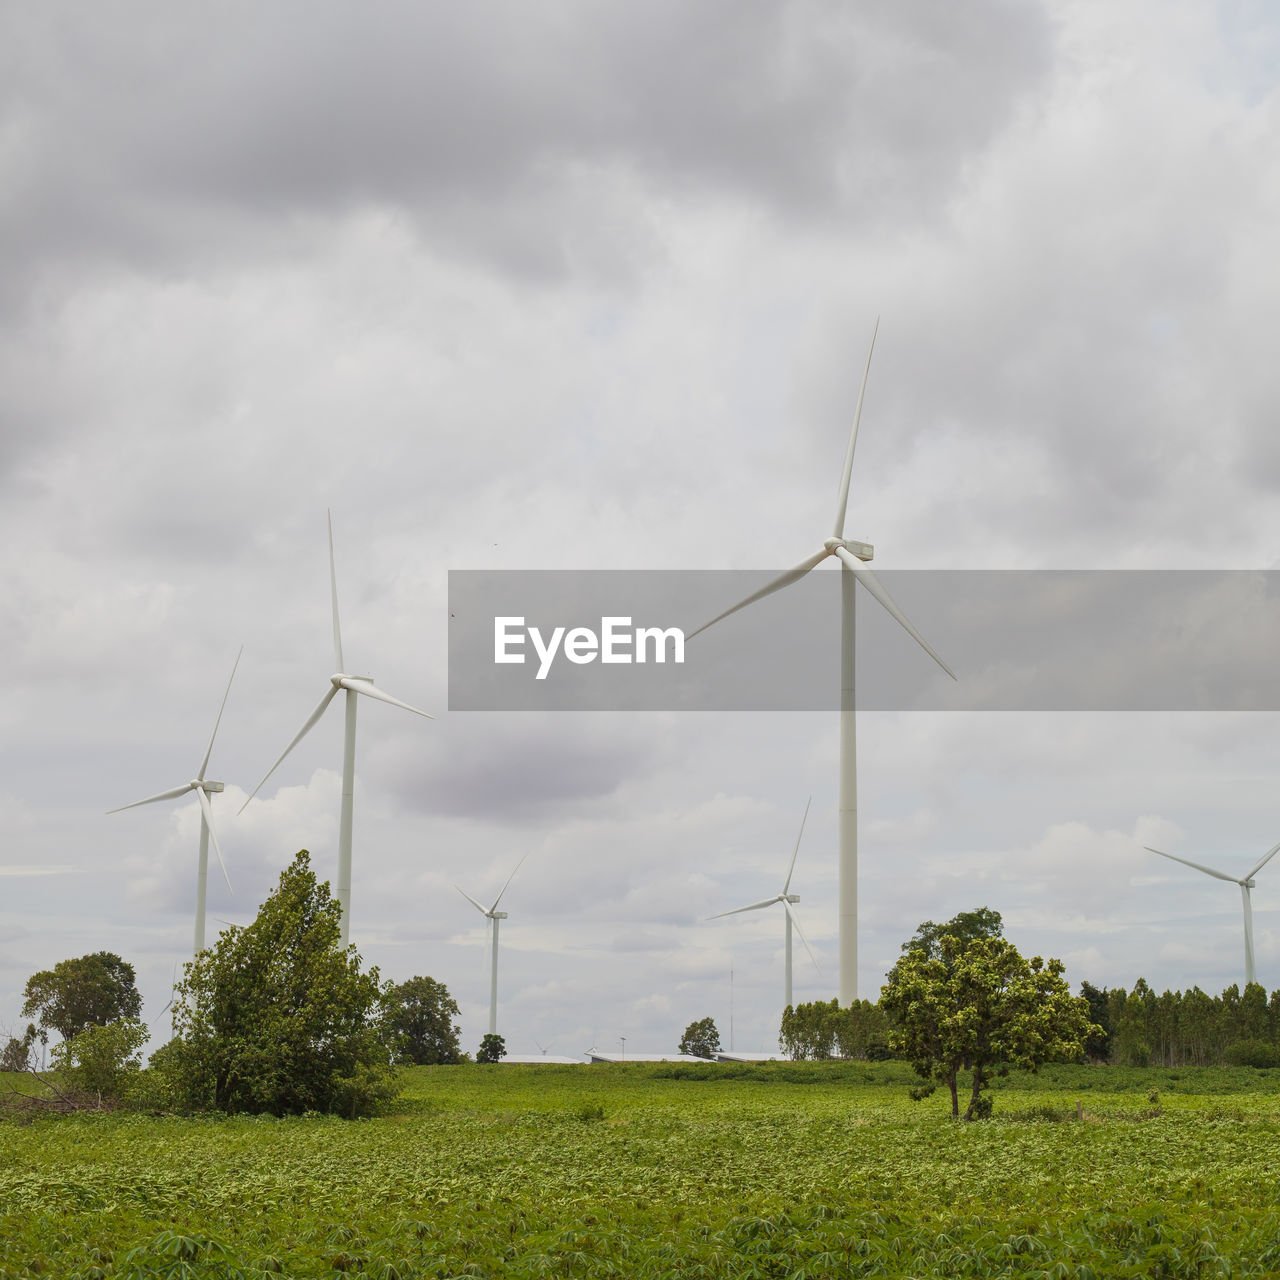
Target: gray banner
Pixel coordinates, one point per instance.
(1039, 640)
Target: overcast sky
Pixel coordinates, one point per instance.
(576, 286)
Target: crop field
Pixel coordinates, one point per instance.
(810, 1170)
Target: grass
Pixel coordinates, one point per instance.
(747, 1170)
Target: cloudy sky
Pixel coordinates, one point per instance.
(573, 286)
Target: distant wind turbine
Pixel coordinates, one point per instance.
(787, 898)
(492, 915)
(341, 680)
(1246, 883)
(851, 556)
(204, 788)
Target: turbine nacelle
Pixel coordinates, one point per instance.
(340, 680)
(790, 897)
(496, 915)
(203, 784)
(863, 550)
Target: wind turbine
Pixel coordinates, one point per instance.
(204, 788)
(1246, 884)
(852, 557)
(341, 681)
(493, 916)
(786, 897)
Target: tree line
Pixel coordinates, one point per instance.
(276, 1017)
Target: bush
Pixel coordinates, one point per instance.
(1252, 1053)
(105, 1062)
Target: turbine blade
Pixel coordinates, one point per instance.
(333, 588)
(737, 911)
(1209, 871)
(872, 584)
(842, 499)
(371, 690)
(510, 878)
(204, 764)
(786, 888)
(782, 580)
(1271, 853)
(795, 920)
(302, 733)
(471, 900)
(164, 795)
(207, 809)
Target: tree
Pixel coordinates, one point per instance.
(278, 1017)
(1098, 1045)
(980, 1003)
(701, 1039)
(492, 1048)
(981, 922)
(418, 1017)
(89, 991)
(103, 1060)
(823, 1029)
(17, 1055)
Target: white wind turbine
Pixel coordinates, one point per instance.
(341, 681)
(853, 570)
(204, 788)
(786, 897)
(1246, 883)
(492, 915)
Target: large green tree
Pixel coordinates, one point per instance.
(89, 991)
(418, 1016)
(978, 1003)
(278, 1017)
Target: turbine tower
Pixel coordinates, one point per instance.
(204, 788)
(341, 681)
(1246, 883)
(786, 897)
(853, 569)
(492, 915)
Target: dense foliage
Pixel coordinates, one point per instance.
(1190, 1028)
(89, 991)
(104, 1062)
(826, 1029)
(701, 1039)
(492, 1048)
(688, 1170)
(979, 1004)
(418, 1019)
(277, 1017)
(965, 926)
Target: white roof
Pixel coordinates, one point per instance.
(534, 1058)
(596, 1056)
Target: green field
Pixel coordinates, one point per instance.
(774, 1171)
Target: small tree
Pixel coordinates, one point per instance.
(492, 1048)
(418, 1019)
(89, 991)
(701, 1039)
(277, 1017)
(16, 1055)
(981, 1004)
(105, 1061)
